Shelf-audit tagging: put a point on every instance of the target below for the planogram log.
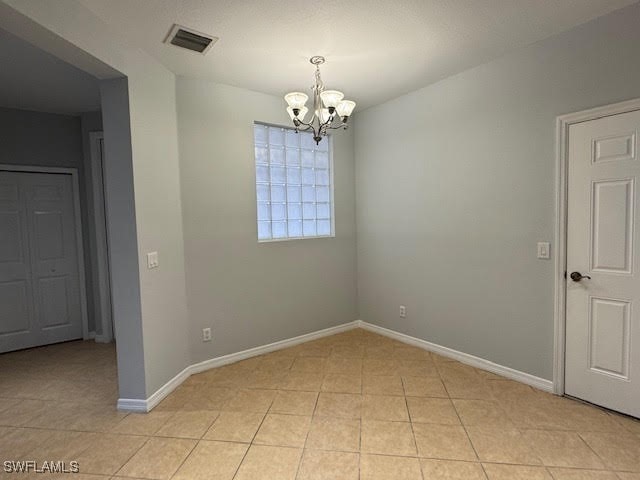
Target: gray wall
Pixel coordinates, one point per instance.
(455, 185)
(52, 140)
(43, 139)
(158, 204)
(250, 293)
(122, 238)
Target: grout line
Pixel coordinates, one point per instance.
(132, 455)
(461, 422)
(306, 437)
(413, 432)
(250, 445)
(185, 458)
(360, 453)
(592, 450)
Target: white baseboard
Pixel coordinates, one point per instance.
(98, 337)
(132, 405)
(167, 388)
(138, 405)
(271, 347)
(477, 362)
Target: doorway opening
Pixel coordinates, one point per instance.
(57, 339)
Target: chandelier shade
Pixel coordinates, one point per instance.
(345, 108)
(296, 99)
(324, 115)
(331, 98)
(330, 110)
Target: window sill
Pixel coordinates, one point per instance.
(290, 239)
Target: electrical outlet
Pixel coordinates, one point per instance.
(403, 311)
(206, 334)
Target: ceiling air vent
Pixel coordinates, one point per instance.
(190, 39)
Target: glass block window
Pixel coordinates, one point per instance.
(294, 184)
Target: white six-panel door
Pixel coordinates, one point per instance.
(603, 311)
(39, 276)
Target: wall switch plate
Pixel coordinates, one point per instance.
(544, 250)
(206, 334)
(152, 260)
(403, 311)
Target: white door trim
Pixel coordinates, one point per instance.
(101, 273)
(76, 214)
(563, 122)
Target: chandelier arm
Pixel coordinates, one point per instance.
(309, 124)
(328, 123)
(307, 127)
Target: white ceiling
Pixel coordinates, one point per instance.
(31, 79)
(375, 49)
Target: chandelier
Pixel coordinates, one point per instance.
(330, 111)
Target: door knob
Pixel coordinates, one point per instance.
(577, 276)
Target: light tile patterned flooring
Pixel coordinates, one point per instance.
(353, 405)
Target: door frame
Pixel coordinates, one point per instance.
(102, 271)
(563, 123)
(75, 187)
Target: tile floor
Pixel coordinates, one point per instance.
(351, 406)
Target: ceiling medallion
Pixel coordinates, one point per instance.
(330, 111)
